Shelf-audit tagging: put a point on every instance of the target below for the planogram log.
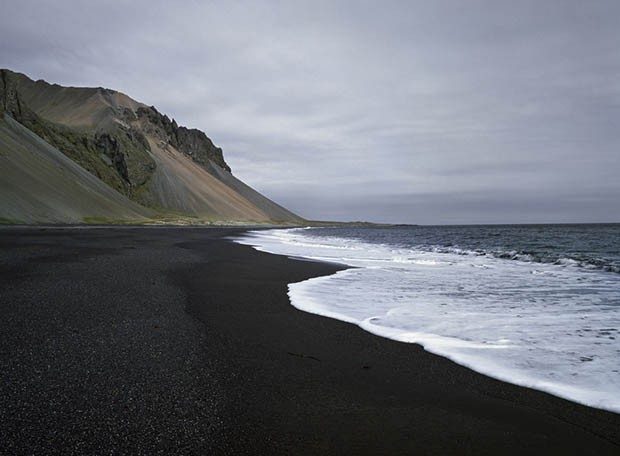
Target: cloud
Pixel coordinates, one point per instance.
(361, 110)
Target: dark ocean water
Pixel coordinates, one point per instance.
(536, 305)
(595, 246)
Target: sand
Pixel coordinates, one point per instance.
(177, 341)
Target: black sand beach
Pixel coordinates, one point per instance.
(176, 341)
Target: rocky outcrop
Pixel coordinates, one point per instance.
(190, 141)
(128, 151)
(10, 99)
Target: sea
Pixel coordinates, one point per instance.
(534, 305)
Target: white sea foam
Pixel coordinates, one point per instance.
(550, 327)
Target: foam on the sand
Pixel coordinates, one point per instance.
(545, 326)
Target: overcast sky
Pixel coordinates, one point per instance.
(459, 111)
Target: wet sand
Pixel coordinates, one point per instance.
(177, 341)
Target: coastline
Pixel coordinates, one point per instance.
(247, 372)
(400, 293)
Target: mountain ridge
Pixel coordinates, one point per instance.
(136, 150)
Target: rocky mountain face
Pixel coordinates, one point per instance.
(135, 149)
(192, 142)
(116, 153)
(120, 144)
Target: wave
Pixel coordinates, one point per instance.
(544, 254)
(551, 326)
(544, 257)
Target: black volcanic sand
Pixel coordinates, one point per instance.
(175, 341)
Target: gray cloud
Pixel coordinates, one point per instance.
(429, 112)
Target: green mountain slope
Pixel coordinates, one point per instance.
(39, 184)
(137, 151)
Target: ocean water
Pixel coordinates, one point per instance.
(534, 305)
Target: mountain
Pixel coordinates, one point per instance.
(40, 184)
(131, 161)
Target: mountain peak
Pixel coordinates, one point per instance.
(135, 149)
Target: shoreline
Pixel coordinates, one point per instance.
(245, 371)
(298, 296)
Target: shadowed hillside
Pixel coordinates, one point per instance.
(40, 184)
(134, 149)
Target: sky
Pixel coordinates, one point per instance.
(439, 112)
